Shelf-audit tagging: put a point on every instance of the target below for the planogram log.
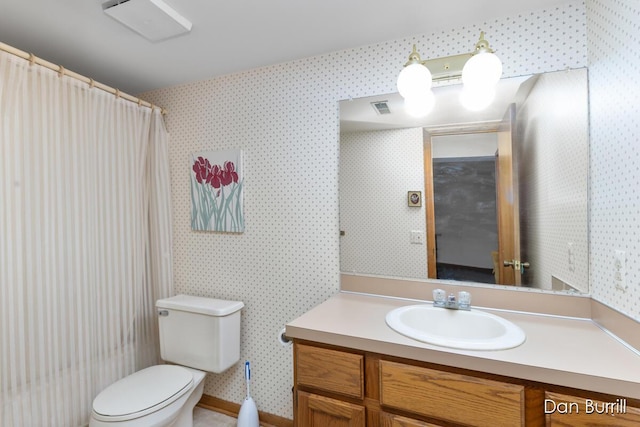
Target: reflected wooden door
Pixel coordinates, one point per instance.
(430, 211)
(507, 199)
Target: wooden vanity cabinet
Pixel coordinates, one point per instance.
(452, 397)
(336, 386)
(393, 420)
(335, 383)
(329, 370)
(316, 410)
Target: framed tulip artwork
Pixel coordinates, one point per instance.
(216, 191)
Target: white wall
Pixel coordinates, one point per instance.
(285, 118)
(464, 145)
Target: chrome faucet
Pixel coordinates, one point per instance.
(461, 302)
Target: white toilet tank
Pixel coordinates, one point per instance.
(201, 333)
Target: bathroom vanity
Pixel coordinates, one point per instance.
(351, 369)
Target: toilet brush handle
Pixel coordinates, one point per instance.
(247, 375)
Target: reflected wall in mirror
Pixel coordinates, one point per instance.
(505, 190)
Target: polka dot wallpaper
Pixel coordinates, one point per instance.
(377, 169)
(553, 161)
(614, 72)
(285, 119)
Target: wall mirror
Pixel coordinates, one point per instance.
(498, 196)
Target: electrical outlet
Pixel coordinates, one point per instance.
(571, 259)
(417, 237)
(619, 270)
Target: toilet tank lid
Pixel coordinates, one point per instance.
(202, 305)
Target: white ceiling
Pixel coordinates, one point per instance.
(227, 36)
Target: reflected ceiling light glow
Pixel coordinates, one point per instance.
(419, 105)
(477, 99)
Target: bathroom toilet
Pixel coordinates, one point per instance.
(198, 335)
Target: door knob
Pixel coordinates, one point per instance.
(516, 264)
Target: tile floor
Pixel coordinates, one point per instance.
(205, 418)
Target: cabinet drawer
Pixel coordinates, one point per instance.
(451, 397)
(391, 420)
(573, 411)
(330, 370)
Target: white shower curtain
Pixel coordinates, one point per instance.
(85, 242)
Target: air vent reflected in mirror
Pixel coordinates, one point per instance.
(381, 107)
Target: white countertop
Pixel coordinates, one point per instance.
(569, 352)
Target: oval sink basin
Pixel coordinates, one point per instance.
(467, 330)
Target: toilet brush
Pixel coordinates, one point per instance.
(248, 416)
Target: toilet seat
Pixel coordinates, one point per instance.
(142, 393)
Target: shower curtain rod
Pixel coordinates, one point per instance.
(64, 72)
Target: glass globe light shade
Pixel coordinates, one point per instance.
(483, 69)
(414, 79)
(419, 105)
(477, 99)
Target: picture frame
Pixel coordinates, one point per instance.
(414, 199)
(216, 191)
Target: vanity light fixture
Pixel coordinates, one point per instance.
(480, 75)
(414, 85)
(479, 70)
(484, 68)
(415, 76)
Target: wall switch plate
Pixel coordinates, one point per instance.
(417, 237)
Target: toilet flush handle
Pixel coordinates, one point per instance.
(163, 313)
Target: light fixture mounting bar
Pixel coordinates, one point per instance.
(448, 67)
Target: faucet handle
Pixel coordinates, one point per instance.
(439, 297)
(464, 300)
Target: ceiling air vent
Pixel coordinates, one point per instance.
(381, 107)
(152, 19)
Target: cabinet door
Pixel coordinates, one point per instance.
(562, 410)
(320, 411)
(392, 420)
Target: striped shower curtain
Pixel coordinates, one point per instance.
(85, 242)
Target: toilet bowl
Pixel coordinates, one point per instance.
(158, 396)
(198, 334)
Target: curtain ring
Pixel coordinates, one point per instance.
(60, 71)
(92, 83)
(117, 93)
(32, 59)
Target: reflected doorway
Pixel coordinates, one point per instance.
(471, 204)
